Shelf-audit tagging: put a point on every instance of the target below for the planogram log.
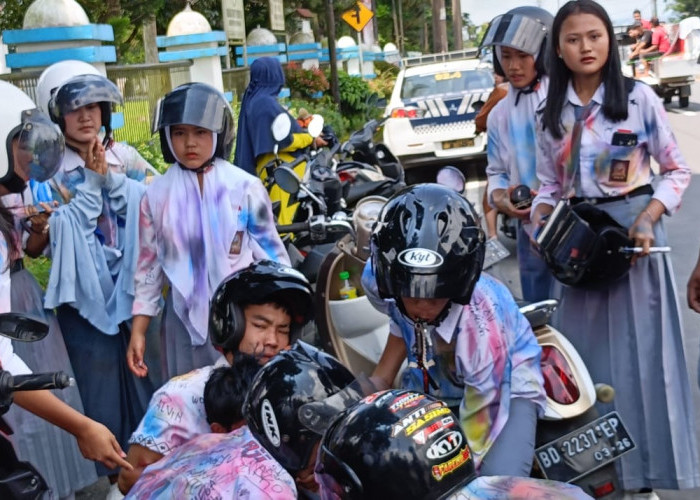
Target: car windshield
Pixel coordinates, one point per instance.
(446, 82)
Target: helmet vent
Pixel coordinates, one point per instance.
(442, 223)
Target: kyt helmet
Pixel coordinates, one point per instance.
(427, 243)
(523, 28)
(40, 144)
(55, 75)
(394, 444)
(200, 105)
(260, 282)
(292, 378)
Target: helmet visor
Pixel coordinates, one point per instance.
(40, 148)
(83, 90)
(191, 106)
(517, 31)
(335, 479)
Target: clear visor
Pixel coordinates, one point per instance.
(40, 148)
(83, 90)
(318, 415)
(514, 30)
(335, 479)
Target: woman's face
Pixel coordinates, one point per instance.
(584, 44)
(192, 145)
(83, 124)
(518, 66)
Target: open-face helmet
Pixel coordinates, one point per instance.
(523, 28)
(40, 144)
(200, 105)
(394, 444)
(261, 282)
(427, 243)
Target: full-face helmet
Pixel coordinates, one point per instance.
(427, 243)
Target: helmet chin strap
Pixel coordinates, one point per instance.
(529, 89)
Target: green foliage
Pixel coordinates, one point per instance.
(150, 150)
(324, 107)
(383, 83)
(40, 268)
(686, 8)
(303, 82)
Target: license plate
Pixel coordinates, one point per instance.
(587, 448)
(459, 143)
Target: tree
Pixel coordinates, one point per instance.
(686, 8)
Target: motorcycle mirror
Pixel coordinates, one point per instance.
(287, 179)
(22, 327)
(452, 178)
(281, 126)
(315, 126)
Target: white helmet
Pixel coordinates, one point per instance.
(40, 140)
(56, 75)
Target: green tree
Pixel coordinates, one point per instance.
(685, 8)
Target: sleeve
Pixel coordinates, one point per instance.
(86, 205)
(174, 415)
(148, 278)
(481, 118)
(261, 225)
(550, 186)
(662, 145)
(299, 141)
(119, 188)
(497, 169)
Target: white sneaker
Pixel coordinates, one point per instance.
(637, 495)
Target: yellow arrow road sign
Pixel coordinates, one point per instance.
(358, 16)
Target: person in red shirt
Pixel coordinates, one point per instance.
(638, 19)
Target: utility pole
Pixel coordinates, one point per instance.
(654, 9)
(457, 24)
(330, 31)
(401, 37)
(439, 33)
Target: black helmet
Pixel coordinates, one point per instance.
(200, 105)
(80, 91)
(260, 282)
(292, 378)
(394, 444)
(523, 28)
(427, 243)
(581, 246)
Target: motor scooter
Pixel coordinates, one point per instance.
(573, 443)
(20, 480)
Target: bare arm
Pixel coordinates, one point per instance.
(139, 457)
(389, 364)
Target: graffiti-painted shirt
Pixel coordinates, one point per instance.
(176, 412)
(511, 145)
(196, 238)
(8, 359)
(522, 488)
(484, 354)
(216, 467)
(614, 156)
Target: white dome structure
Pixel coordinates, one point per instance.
(49, 13)
(188, 22)
(261, 36)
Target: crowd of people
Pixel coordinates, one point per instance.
(172, 302)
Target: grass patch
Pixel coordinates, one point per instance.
(39, 268)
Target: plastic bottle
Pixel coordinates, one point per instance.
(347, 291)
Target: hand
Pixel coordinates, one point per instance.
(97, 443)
(134, 354)
(95, 157)
(642, 232)
(694, 288)
(319, 142)
(40, 220)
(501, 198)
(539, 215)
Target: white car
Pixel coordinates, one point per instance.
(432, 109)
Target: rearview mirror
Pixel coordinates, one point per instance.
(22, 327)
(452, 178)
(281, 126)
(287, 179)
(315, 126)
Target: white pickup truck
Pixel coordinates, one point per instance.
(432, 108)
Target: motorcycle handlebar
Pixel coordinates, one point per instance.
(295, 227)
(34, 382)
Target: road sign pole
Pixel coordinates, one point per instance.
(359, 52)
(330, 20)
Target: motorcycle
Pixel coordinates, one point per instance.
(573, 443)
(20, 480)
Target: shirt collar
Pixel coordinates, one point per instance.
(573, 98)
(448, 325)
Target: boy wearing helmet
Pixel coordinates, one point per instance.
(465, 339)
(200, 221)
(31, 147)
(520, 42)
(418, 452)
(256, 311)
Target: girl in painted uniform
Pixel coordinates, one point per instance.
(201, 221)
(93, 246)
(255, 144)
(465, 339)
(32, 148)
(520, 40)
(629, 333)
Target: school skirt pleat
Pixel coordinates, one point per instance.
(53, 451)
(630, 336)
(178, 355)
(111, 394)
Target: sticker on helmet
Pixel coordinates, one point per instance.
(420, 257)
(406, 401)
(426, 433)
(445, 445)
(441, 470)
(269, 422)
